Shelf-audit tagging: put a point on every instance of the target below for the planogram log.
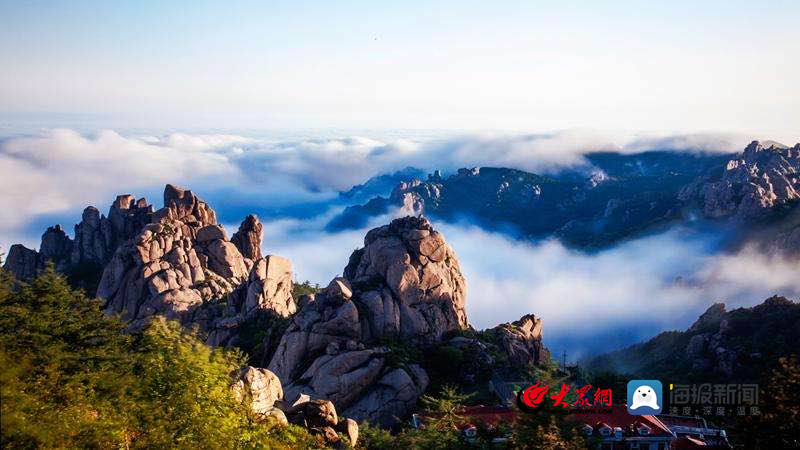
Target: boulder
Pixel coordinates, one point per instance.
(262, 388)
(349, 427)
(391, 397)
(210, 233)
(318, 414)
(269, 286)
(410, 281)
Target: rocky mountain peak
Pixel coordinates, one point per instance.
(248, 238)
(412, 260)
(777, 300)
(405, 284)
(709, 319)
(56, 245)
(181, 264)
(182, 204)
(751, 184)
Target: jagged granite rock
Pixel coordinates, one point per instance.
(56, 245)
(410, 281)
(709, 319)
(182, 266)
(349, 428)
(55, 248)
(97, 237)
(752, 184)
(248, 238)
(404, 284)
(176, 262)
(522, 341)
(321, 419)
(269, 286)
(96, 240)
(23, 262)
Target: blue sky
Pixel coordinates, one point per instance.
(661, 66)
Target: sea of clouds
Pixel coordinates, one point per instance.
(61, 170)
(590, 302)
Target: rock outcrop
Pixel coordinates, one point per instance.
(404, 284)
(264, 393)
(176, 262)
(96, 239)
(522, 341)
(752, 183)
(181, 265)
(248, 238)
(262, 389)
(409, 263)
(23, 262)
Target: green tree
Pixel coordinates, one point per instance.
(779, 424)
(70, 378)
(548, 429)
(444, 410)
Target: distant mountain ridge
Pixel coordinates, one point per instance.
(736, 345)
(625, 195)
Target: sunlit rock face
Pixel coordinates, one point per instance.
(405, 284)
(96, 239)
(761, 178)
(181, 265)
(522, 341)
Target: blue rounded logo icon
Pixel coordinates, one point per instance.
(645, 397)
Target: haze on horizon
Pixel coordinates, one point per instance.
(677, 66)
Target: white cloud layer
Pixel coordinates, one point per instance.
(633, 291)
(61, 170)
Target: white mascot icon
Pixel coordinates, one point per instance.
(645, 396)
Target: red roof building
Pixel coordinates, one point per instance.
(620, 430)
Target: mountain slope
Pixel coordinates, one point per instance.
(623, 196)
(735, 345)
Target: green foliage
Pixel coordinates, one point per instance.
(69, 378)
(372, 438)
(304, 288)
(259, 336)
(551, 430)
(63, 367)
(778, 426)
(174, 368)
(444, 409)
(401, 353)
